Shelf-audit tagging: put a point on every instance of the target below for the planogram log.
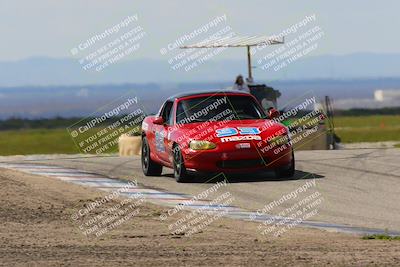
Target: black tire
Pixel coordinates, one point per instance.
(287, 171)
(180, 172)
(149, 167)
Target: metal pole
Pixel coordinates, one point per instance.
(249, 63)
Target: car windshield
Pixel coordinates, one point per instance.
(218, 108)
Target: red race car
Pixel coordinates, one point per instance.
(215, 132)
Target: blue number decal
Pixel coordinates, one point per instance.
(249, 130)
(226, 132)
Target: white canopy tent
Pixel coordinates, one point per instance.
(238, 41)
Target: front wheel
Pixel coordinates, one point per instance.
(180, 173)
(287, 171)
(149, 167)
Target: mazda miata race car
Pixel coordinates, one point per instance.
(215, 132)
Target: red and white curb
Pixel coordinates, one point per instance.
(104, 183)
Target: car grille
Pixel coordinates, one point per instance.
(239, 164)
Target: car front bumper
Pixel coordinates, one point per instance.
(237, 160)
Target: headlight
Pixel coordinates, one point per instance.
(201, 145)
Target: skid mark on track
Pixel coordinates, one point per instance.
(104, 183)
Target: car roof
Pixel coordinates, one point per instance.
(208, 92)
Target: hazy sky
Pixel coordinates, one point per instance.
(52, 27)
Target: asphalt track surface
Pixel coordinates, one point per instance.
(359, 187)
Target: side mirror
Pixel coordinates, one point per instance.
(273, 113)
(158, 120)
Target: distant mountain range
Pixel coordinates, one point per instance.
(46, 87)
(53, 71)
(81, 101)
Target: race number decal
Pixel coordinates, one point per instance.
(238, 134)
(226, 132)
(249, 130)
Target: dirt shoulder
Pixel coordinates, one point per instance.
(37, 229)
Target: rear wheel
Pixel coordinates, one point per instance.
(180, 173)
(149, 167)
(287, 171)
